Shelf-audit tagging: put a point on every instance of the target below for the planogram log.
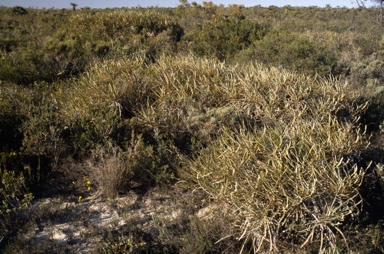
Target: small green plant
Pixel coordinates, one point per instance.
(14, 198)
(120, 245)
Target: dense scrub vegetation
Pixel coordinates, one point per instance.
(275, 115)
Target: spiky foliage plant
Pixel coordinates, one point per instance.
(288, 177)
(93, 105)
(112, 82)
(273, 144)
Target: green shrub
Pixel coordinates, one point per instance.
(42, 125)
(88, 132)
(11, 100)
(14, 198)
(368, 81)
(292, 51)
(52, 45)
(370, 74)
(24, 39)
(25, 66)
(30, 128)
(223, 37)
(366, 46)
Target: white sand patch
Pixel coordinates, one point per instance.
(78, 226)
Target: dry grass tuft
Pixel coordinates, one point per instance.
(116, 169)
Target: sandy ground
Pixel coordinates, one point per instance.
(79, 226)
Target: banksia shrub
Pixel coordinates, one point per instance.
(93, 105)
(100, 110)
(280, 188)
(189, 99)
(288, 177)
(198, 96)
(115, 83)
